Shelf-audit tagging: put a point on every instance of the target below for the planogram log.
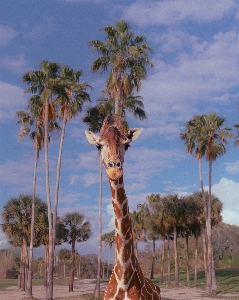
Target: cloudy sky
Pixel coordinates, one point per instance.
(196, 68)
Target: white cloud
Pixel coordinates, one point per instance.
(16, 64)
(7, 34)
(11, 99)
(228, 192)
(174, 11)
(208, 75)
(232, 168)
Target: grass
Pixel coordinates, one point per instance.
(227, 280)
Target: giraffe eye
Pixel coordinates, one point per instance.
(126, 146)
(98, 147)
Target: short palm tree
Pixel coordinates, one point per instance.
(173, 214)
(126, 57)
(76, 230)
(64, 256)
(16, 225)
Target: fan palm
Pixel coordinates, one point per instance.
(71, 97)
(126, 57)
(64, 255)
(45, 82)
(17, 227)
(216, 137)
(27, 119)
(76, 230)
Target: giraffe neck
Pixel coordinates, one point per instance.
(125, 257)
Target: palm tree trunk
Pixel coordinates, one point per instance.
(97, 286)
(136, 252)
(21, 275)
(58, 173)
(205, 205)
(46, 265)
(29, 281)
(153, 260)
(209, 229)
(71, 283)
(175, 256)
(214, 281)
(187, 257)
(205, 255)
(169, 280)
(162, 261)
(49, 290)
(25, 262)
(196, 258)
(212, 277)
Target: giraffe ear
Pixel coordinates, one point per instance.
(92, 138)
(134, 133)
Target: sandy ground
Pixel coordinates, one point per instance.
(87, 286)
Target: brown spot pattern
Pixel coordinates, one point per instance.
(119, 270)
(120, 295)
(126, 253)
(111, 288)
(121, 195)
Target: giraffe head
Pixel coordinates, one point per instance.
(113, 143)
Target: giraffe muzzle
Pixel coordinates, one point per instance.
(114, 173)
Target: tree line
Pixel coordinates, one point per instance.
(17, 216)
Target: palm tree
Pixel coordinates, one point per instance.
(137, 221)
(151, 211)
(17, 227)
(126, 56)
(173, 210)
(237, 136)
(76, 230)
(27, 119)
(204, 136)
(45, 82)
(109, 240)
(71, 97)
(216, 137)
(64, 255)
(193, 224)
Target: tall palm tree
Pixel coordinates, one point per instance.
(204, 135)
(76, 230)
(27, 119)
(126, 57)
(45, 82)
(216, 137)
(70, 99)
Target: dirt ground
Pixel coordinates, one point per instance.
(87, 286)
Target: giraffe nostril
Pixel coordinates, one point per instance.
(110, 165)
(118, 165)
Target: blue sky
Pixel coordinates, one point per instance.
(196, 68)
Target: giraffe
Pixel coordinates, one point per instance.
(127, 280)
